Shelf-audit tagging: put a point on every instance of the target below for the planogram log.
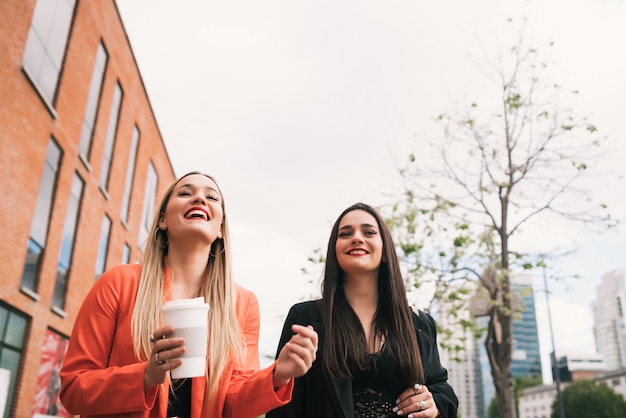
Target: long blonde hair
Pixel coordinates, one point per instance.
(219, 290)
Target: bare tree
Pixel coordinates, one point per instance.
(516, 158)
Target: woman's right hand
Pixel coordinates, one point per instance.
(164, 356)
(297, 356)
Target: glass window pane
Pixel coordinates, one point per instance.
(4, 315)
(47, 79)
(110, 138)
(42, 23)
(130, 174)
(46, 43)
(16, 329)
(59, 33)
(91, 106)
(34, 54)
(67, 245)
(41, 217)
(31, 266)
(149, 203)
(60, 287)
(104, 243)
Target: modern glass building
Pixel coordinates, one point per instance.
(526, 358)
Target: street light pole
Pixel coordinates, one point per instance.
(555, 369)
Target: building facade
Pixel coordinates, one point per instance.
(82, 162)
(464, 372)
(537, 401)
(526, 350)
(526, 356)
(608, 318)
(572, 368)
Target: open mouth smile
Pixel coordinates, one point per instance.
(195, 213)
(357, 251)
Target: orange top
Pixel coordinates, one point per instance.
(102, 376)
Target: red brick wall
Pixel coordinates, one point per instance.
(26, 125)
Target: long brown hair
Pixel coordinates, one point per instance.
(226, 341)
(345, 346)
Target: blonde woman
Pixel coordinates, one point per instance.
(120, 355)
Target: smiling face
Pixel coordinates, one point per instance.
(194, 209)
(359, 244)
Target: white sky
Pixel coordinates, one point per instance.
(301, 108)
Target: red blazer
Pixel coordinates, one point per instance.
(102, 376)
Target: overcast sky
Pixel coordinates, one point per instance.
(301, 108)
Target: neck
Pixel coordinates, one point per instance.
(188, 271)
(362, 292)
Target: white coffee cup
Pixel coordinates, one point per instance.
(189, 317)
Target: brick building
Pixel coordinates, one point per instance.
(82, 163)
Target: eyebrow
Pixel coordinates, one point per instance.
(359, 226)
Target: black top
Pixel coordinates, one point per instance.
(179, 404)
(317, 395)
(376, 389)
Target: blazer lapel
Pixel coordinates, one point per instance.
(343, 390)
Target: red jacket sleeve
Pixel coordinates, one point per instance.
(100, 373)
(251, 391)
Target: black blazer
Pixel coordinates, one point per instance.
(316, 395)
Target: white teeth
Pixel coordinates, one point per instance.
(195, 213)
(358, 252)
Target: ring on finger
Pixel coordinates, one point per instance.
(152, 338)
(422, 406)
(156, 358)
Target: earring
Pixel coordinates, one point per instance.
(220, 253)
(156, 238)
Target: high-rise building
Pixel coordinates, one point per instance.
(526, 352)
(608, 316)
(526, 357)
(82, 163)
(464, 372)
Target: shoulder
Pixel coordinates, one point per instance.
(423, 321)
(114, 288)
(123, 277)
(310, 310)
(244, 294)
(309, 305)
(246, 299)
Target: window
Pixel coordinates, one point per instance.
(45, 45)
(149, 203)
(130, 174)
(102, 249)
(110, 138)
(12, 331)
(41, 217)
(67, 244)
(47, 401)
(97, 76)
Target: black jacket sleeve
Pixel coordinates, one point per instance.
(435, 374)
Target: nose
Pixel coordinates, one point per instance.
(357, 237)
(199, 198)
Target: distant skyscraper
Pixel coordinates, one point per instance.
(526, 358)
(526, 353)
(464, 371)
(608, 318)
